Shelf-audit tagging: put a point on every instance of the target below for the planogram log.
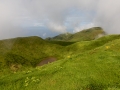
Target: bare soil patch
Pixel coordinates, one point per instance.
(47, 60)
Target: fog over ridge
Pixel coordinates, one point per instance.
(58, 15)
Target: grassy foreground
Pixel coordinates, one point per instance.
(86, 65)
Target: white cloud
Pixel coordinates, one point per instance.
(57, 27)
(108, 15)
(86, 26)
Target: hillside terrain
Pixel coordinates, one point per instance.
(26, 51)
(83, 65)
(84, 35)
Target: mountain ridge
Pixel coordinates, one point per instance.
(84, 35)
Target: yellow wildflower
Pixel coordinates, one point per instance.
(107, 47)
(68, 56)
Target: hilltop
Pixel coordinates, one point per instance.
(84, 35)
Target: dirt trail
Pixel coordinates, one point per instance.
(47, 60)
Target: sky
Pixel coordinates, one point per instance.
(47, 18)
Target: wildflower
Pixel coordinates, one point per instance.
(26, 81)
(68, 56)
(29, 71)
(107, 47)
(33, 79)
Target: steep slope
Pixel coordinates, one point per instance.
(84, 35)
(97, 68)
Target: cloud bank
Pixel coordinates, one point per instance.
(14, 14)
(108, 16)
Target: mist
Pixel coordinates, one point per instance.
(54, 14)
(108, 16)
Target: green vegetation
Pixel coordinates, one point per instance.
(62, 43)
(61, 37)
(84, 35)
(84, 65)
(27, 51)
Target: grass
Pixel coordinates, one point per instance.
(85, 65)
(87, 34)
(62, 43)
(27, 51)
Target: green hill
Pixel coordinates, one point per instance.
(61, 37)
(27, 51)
(84, 65)
(84, 35)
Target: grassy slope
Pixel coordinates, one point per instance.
(61, 37)
(62, 43)
(87, 35)
(27, 51)
(84, 35)
(97, 68)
